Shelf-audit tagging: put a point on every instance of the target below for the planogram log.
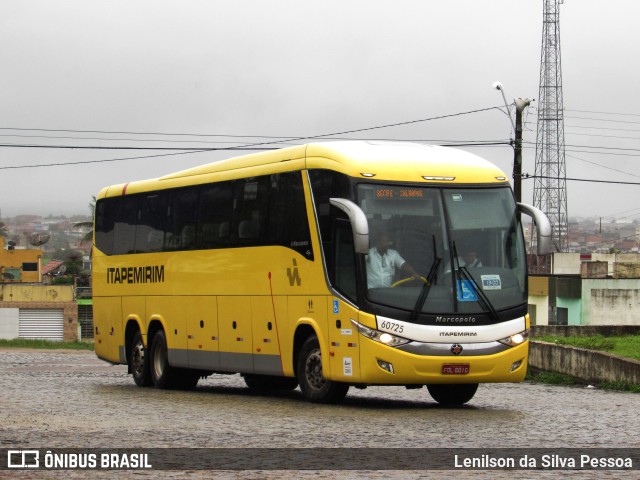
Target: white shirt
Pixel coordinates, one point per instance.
(381, 268)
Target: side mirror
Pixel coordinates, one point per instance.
(543, 227)
(359, 223)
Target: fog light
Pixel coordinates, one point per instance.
(515, 366)
(385, 366)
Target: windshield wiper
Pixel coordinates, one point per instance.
(424, 292)
(482, 298)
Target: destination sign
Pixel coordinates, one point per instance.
(395, 193)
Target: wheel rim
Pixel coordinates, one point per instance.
(313, 370)
(159, 359)
(137, 359)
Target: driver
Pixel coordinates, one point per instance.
(382, 262)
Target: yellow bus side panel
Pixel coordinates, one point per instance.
(107, 321)
(236, 339)
(344, 354)
(201, 319)
(312, 311)
(266, 344)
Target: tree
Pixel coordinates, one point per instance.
(4, 231)
(87, 227)
(73, 270)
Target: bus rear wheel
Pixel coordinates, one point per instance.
(164, 375)
(161, 371)
(313, 385)
(455, 394)
(139, 361)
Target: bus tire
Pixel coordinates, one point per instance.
(454, 394)
(161, 371)
(313, 385)
(139, 361)
(270, 382)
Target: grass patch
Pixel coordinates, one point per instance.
(552, 378)
(627, 346)
(45, 344)
(623, 386)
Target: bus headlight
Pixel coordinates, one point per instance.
(515, 339)
(381, 337)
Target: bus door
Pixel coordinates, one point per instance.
(344, 355)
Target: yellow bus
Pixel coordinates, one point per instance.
(325, 265)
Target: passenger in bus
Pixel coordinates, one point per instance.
(470, 259)
(383, 262)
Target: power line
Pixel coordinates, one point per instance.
(603, 166)
(118, 132)
(445, 143)
(526, 176)
(604, 113)
(247, 146)
(50, 137)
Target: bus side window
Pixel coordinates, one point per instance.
(124, 228)
(151, 224)
(182, 217)
(288, 223)
(105, 219)
(215, 215)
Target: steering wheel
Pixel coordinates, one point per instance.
(409, 279)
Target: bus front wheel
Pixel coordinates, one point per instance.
(139, 361)
(313, 385)
(455, 394)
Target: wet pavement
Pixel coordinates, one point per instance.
(70, 399)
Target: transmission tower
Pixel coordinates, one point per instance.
(550, 189)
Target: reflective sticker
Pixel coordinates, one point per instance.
(491, 282)
(466, 292)
(347, 364)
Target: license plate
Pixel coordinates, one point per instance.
(459, 369)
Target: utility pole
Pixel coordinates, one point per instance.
(517, 150)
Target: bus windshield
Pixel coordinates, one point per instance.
(437, 250)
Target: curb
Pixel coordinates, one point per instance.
(588, 365)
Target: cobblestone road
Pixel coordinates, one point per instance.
(70, 399)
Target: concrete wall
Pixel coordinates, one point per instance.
(574, 306)
(585, 365)
(585, 330)
(541, 304)
(36, 293)
(570, 263)
(610, 301)
(9, 327)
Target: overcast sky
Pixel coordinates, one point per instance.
(71, 69)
